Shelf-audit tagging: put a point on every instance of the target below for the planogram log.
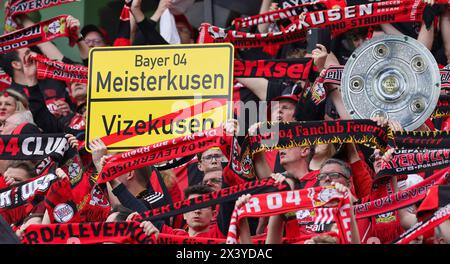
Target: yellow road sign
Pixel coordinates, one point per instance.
(142, 95)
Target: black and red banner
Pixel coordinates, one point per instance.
(38, 33)
(437, 203)
(25, 192)
(420, 139)
(86, 233)
(17, 7)
(32, 147)
(263, 205)
(282, 135)
(149, 155)
(285, 12)
(337, 20)
(443, 107)
(297, 69)
(49, 69)
(403, 198)
(438, 217)
(408, 161)
(222, 196)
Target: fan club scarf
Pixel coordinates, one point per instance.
(61, 234)
(49, 69)
(25, 192)
(222, 196)
(289, 68)
(440, 216)
(438, 201)
(420, 139)
(32, 147)
(86, 233)
(292, 9)
(286, 11)
(283, 135)
(179, 147)
(402, 198)
(263, 205)
(408, 161)
(27, 6)
(338, 20)
(296, 134)
(17, 7)
(38, 33)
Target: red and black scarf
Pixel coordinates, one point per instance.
(438, 201)
(141, 157)
(17, 7)
(338, 20)
(86, 233)
(49, 69)
(222, 196)
(32, 147)
(38, 33)
(408, 161)
(263, 205)
(32, 191)
(401, 199)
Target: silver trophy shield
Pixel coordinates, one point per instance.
(395, 77)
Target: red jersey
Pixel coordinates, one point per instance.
(213, 232)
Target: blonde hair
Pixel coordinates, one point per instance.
(20, 107)
(20, 100)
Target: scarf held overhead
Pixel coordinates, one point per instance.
(263, 205)
(49, 69)
(338, 20)
(224, 195)
(36, 34)
(162, 151)
(408, 161)
(27, 6)
(85, 233)
(26, 192)
(32, 147)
